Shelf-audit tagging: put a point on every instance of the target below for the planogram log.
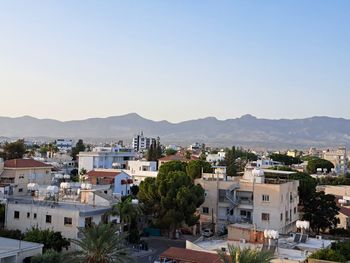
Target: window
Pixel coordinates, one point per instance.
(295, 210)
(88, 221)
(291, 197)
(28, 215)
(48, 219)
(281, 216)
(20, 190)
(265, 217)
(287, 216)
(16, 215)
(67, 221)
(205, 210)
(34, 215)
(265, 198)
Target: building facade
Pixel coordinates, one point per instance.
(253, 199)
(141, 143)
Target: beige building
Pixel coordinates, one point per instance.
(19, 172)
(339, 158)
(252, 200)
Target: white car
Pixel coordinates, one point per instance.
(207, 233)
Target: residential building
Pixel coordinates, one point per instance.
(65, 210)
(64, 145)
(19, 172)
(141, 143)
(339, 158)
(105, 158)
(254, 200)
(121, 181)
(140, 170)
(179, 156)
(216, 158)
(14, 251)
(293, 153)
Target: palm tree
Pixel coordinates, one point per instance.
(99, 244)
(246, 255)
(127, 211)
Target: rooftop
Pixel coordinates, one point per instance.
(190, 256)
(25, 163)
(10, 247)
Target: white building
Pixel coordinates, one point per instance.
(141, 143)
(140, 170)
(66, 210)
(105, 158)
(64, 145)
(215, 158)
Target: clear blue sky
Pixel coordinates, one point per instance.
(174, 60)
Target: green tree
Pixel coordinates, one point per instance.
(172, 166)
(246, 255)
(307, 186)
(134, 190)
(79, 147)
(230, 162)
(127, 211)
(49, 256)
(170, 152)
(100, 244)
(194, 168)
(285, 159)
(171, 199)
(314, 164)
(14, 150)
(321, 211)
(50, 239)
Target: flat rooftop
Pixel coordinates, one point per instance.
(10, 247)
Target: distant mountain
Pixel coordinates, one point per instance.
(246, 131)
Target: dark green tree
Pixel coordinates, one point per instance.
(170, 152)
(307, 186)
(321, 211)
(51, 240)
(172, 166)
(14, 150)
(79, 147)
(314, 164)
(194, 168)
(230, 161)
(171, 199)
(49, 256)
(285, 159)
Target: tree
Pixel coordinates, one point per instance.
(99, 244)
(171, 199)
(127, 211)
(285, 159)
(307, 186)
(79, 147)
(14, 150)
(134, 190)
(74, 175)
(246, 255)
(316, 163)
(170, 152)
(155, 151)
(194, 168)
(49, 256)
(172, 166)
(321, 211)
(230, 161)
(51, 240)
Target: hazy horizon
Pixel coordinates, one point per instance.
(175, 61)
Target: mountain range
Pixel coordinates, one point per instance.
(245, 131)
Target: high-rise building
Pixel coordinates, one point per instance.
(141, 143)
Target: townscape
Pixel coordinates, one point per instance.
(168, 131)
(65, 199)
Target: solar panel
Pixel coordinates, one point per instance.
(303, 239)
(297, 237)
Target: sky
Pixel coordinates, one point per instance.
(174, 60)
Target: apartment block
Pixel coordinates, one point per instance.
(251, 199)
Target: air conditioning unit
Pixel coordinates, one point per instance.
(318, 237)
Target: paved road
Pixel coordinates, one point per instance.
(159, 245)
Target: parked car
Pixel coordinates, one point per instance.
(207, 232)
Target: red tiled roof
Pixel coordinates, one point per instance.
(177, 157)
(190, 256)
(94, 173)
(25, 163)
